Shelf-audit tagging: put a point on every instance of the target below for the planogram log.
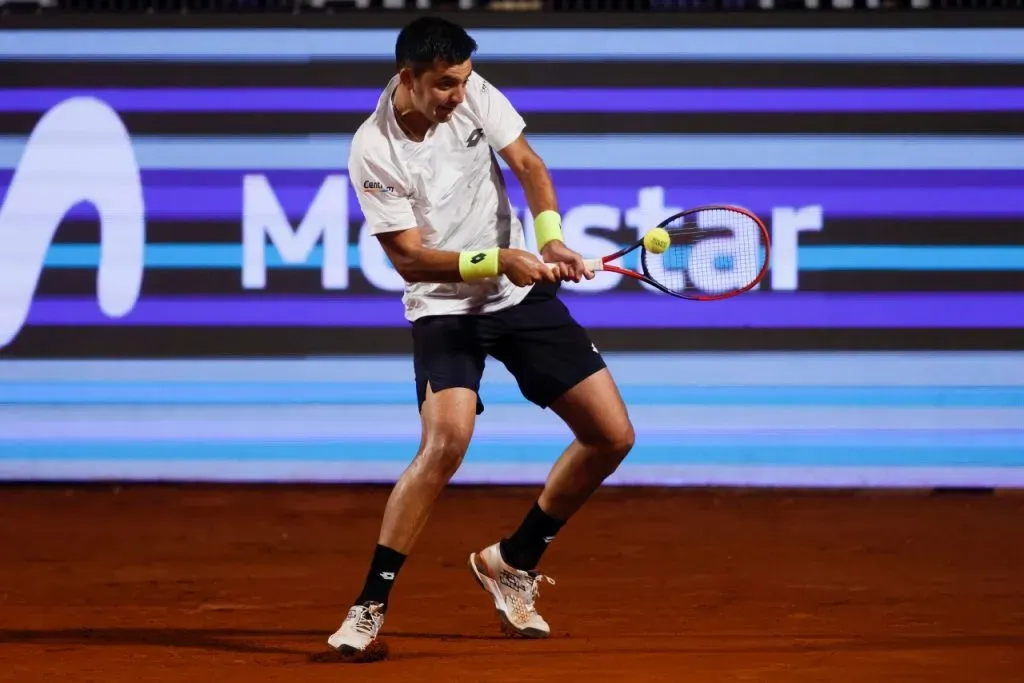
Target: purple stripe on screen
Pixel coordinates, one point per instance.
(755, 310)
(616, 177)
(986, 178)
(552, 100)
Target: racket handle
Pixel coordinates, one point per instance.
(592, 264)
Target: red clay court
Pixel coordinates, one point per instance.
(219, 583)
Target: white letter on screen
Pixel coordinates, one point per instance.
(787, 224)
(326, 220)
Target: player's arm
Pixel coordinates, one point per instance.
(418, 263)
(533, 176)
(504, 128)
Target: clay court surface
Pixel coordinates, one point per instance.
(223, 584)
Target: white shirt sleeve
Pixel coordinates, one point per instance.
(383, 198)
(501, 122)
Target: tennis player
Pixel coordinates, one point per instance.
(432, 192)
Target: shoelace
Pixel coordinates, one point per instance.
(534, 590)
(368, 622)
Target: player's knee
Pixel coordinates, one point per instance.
(443, 455)
(613, 446)
(620, 442)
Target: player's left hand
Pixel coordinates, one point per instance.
(570, 264)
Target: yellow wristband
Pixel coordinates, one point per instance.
(547, 226)
(474, 265)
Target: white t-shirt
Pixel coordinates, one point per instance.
(449, 186)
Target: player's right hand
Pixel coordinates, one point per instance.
(523, 268)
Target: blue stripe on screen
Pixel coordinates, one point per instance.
(229, 256)
(650, 152)
(282, 45)
(911, 258)
(379, 393)
(711, 452)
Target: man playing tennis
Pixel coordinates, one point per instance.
(432, 192)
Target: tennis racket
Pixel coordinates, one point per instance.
(713, 252)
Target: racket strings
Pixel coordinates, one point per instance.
(669, 268)
(711, 252)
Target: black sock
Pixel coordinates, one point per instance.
(381, 577)
(524, 548)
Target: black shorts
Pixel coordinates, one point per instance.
(538, 340)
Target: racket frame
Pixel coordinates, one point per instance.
(604, 262)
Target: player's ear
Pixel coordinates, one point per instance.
(405, 76)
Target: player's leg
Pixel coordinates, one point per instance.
(595, 412)
(557, 366)
(448, 419)
(449, 361)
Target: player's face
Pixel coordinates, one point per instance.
(436, 93)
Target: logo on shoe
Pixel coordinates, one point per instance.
(514, 581)
(387, 576)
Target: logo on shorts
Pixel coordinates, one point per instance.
(474, 137)
(374, 186)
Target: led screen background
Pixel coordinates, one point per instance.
(893, 185)
(235, 322)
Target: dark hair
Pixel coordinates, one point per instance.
(428, 41)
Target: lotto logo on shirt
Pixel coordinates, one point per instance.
(374, 186)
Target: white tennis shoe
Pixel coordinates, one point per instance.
(360, 628)
(514, 592)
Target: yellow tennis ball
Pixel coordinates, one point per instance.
(657, 240)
